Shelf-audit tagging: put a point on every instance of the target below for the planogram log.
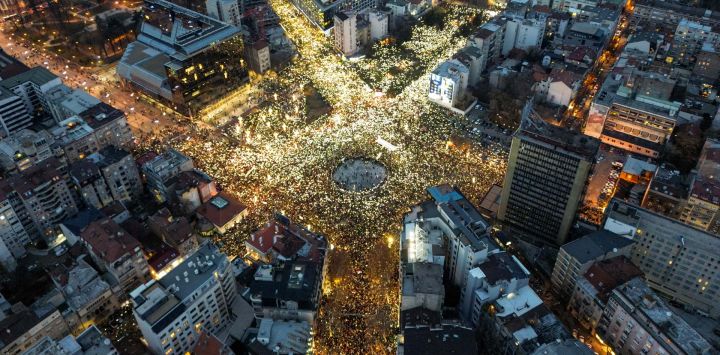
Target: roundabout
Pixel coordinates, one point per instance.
(359, 174)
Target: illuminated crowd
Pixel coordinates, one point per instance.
(277, 159)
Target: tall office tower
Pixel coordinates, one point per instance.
(545, 182)
(195, 295)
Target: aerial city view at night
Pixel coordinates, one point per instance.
(267, 177)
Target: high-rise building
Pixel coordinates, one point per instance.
(25, 148)
(346, 32)
(321, 12)
(702, 209)
(677, 259)
(545, 182)
(691, 37)
(183, 58)
(196, 295)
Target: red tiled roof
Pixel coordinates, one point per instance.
(208, 344)
(608, 274)
(287, 240)
(141, 160)
(579, 53)
(108, 240)
(220, 216)
(566, 76)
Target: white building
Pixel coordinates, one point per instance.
(448, 83)
(13, 236)
(195, 295)
(346, 32)
(378, 24)
(25, 148)
(524, 34)
(227, 11)
(690, 37)
(499, 275)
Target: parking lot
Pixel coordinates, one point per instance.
(608, 164)
(478, 127)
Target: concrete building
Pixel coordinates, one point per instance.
(702, 209)
(632, 112)
(637, 321)
(258, 55)
(473, 59)
(95, 129)
(120, 172)
(545, 182)
(90, 184)
(24, 328)
(116, 252)
(190, 189)
(346, 32)
(281, 239)
(13, 236)
(449, 231)
(378, 24)
(174, 231)
(287, 290)
(489, 38)
(521, 33)
(422, 286)
(677, 259)
(222, 213)
(40, 197)
(690, 37)
(227, 11)
(283, 337)
(593, 288)
(162, 168)
(25, 148)
(27, 89)
(448, 84)
(195, 295)
(576, 257)
(90, 298)
(321, 13)
(563, 347)
(89, 342)
(500, 275)
(183, 58)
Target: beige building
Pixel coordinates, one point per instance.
(576, 257)
(678, 260)
(24, 328)
(702, 209)
(117, 252)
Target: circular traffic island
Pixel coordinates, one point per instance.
(359, 174)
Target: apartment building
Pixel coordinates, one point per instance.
(346, 32)
(690, 38)
(678, 260)
(637, 321)
(159, 170)
(702, 209)
(196, 295)
(576, 257)
(116, 252)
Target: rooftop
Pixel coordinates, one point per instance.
(180, 32)
(288, 240)
(81, 285)
(94, 342)
(463, 217)
(197, 269)
(109, 241)
(284, 337)
(517, 303)
(446, 339)
(534, 128)
(221, 209)
(564, 347)
(503, 266)
(673, 328)
(36, 75)
(290, 281)
(594, 245)
(423, 278)
(606, 275)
